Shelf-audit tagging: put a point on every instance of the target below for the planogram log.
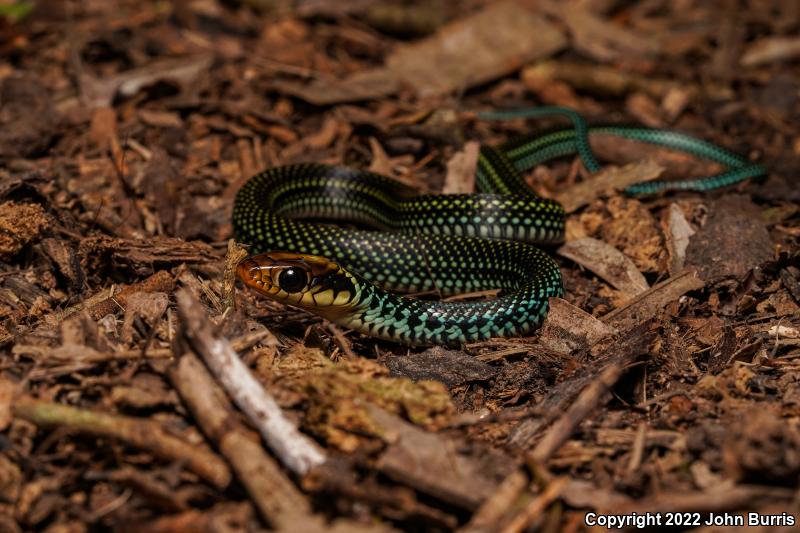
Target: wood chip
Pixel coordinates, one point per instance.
(732, 243)
(431, 464)
(678, 233)
(103, 128)
(460, 177)
(649, 303)
(771, 50)
(608, 263)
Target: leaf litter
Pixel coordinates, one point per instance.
(666, 380)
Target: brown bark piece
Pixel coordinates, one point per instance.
(611, 358)
(651, 302)
(732, 243)
(450, 367)
(430, 463)
(28, 122)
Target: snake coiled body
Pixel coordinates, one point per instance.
(450, 244)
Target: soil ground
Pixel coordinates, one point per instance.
(664, 387)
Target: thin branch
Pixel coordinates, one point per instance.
(297, 452)
(140, 433)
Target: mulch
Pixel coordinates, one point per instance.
(141, 390)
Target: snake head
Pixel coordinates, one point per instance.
(307, 281)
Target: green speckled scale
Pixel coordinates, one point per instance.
(446, 243)
(435, 243)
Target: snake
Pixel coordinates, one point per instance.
(364, 276)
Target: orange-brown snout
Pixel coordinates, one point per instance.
(306, 281)
(251, 272)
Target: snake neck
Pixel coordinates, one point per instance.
(529, 283)
(412, 321)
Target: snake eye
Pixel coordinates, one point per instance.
(292, 279)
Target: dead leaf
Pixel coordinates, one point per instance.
(648, 304)
(609, 179)
(100, 92)
(568, 329)
(608, 263)
(465, 53)
(678, 233)
(472, 51)
(604, 40)
(365, 85)
(645, 110)
(461, 169)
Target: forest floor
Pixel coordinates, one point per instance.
(666, 381)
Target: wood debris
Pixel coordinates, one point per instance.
(141, 390)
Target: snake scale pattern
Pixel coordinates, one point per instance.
(449, 244)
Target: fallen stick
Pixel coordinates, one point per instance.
(140, 433)
(495, 507)
(161, 281)
(536, 507)
(280, 503)
(296, 452)
(587, 401)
